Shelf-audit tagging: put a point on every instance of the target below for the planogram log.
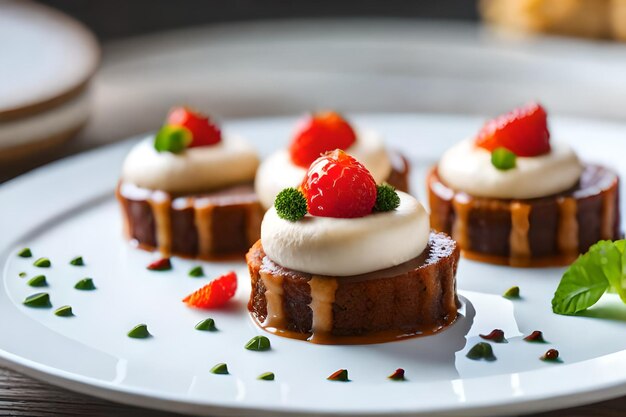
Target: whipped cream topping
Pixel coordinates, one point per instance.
(197, 169)
(343, 247)
(467, 167)
(277, 172)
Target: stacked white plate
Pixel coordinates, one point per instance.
(48, 60)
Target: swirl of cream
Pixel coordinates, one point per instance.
(343, 247)
(467, 167)
(198, 169)
(278, 172)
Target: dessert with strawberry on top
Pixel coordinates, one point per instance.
(342, 260)
(323, 132)
(188, 190)
(512, 196)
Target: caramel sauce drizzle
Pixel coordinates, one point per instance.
(204, 226)
(274, 297)
(161, 203)
(323, 291)
(520, 226)
(567, 230)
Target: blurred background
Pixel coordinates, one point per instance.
(101, 71)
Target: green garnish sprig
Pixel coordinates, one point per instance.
(601, 269)
(38, 281)
(512, 293)
(85, 284)
(65, 311)
(196, 272)
(140, 331)
(291, 204)
(503, 159)
(78, 261)
(387, 199)
(25, 253)
(206, 325)
(39, 300)
(220, 369)
(259, 344)
(481, 350)
(174, 139)
(266, 376)
(42, 263)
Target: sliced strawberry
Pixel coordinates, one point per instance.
(215, 294)
(337, 185)
(319, 133)
(523, 131)
(203, 131)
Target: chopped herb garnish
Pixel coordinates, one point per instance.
(290, 204)
(481, 350)
(163, 264)
(258, 343)
(78, 261)
(85, 284)
(174, 139)
(196, 272)
(503, 159)
(601, 269)
(397, 375)
(65, 311)
(25, 253)
(22, 274)
(535, 337)
(387, 199)
(220, 369)
(38, 281)
(206, 325)
(266, 376)
(496, 336)
(552, 355)
(340, 375)
(512, 293)
(42, 263)
(39, 300)
(140, 331)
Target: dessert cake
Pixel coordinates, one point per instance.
(512, 196)
(188, 190)
(323, 132)
(342, 260)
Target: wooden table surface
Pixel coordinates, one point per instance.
(257, 70)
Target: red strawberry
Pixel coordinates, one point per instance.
(524, 131)
(320, 133)
(162, 264)
(337, 185)
(203, 131)
(215, 294)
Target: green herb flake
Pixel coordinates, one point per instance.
(22, 274)
(140, 331)
(512, 293)
(65, 311)
(206, 325)
(38, 281)
(258, 343)
(387, 199)
(341, 375)
(266, 376)
(503, 159)
(39, 300)
(481, 350)
(25, 253)
(42, 263)
(85, 284)
(601, 269)
(220, 369)
(174, 139)
(78, 261)
(290, 204)
(196, 272)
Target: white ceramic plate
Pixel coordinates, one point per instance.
(68, 209)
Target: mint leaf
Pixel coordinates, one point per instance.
(582, 285)
(608, 255)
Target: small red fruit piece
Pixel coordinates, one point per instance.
(215, 294)
(523, 131)
(162, 264)
(203, 131)
(320, 133)
(337, 185)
